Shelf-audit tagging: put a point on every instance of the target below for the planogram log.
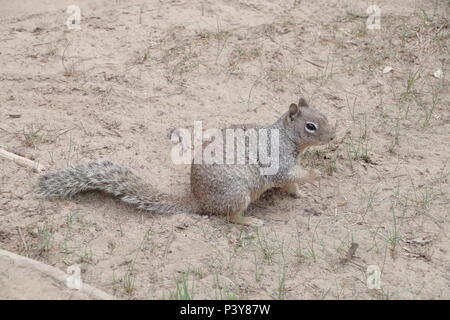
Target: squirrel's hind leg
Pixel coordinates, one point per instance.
(248, 221)
(237, 215)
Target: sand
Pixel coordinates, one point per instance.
(136, 70)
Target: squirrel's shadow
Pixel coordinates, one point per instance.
(268, 200)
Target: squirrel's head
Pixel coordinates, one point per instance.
(309, 126)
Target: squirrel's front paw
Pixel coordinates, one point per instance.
(313, 174)
(293, 190)
(306, 175)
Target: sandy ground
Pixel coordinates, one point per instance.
(116, 88)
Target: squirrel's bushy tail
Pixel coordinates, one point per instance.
(113, 179)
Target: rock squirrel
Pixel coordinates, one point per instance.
(216, 188)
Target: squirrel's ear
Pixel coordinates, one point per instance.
(302, 103)
(293, 111)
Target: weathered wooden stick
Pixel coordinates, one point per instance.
(54, 273)
(21, 161)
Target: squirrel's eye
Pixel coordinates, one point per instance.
(311, 126)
